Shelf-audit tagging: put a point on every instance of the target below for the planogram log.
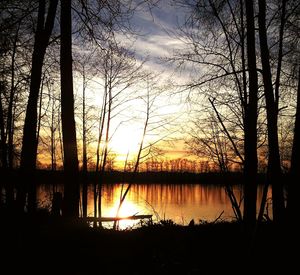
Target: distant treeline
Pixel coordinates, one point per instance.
(57, 177)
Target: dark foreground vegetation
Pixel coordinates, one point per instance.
(47, 245)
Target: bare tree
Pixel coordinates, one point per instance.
(212, 142)
(224, 54)
(274, 168)
(153, 122)
(250, 168)
(49, 118)
(293, 184)
(71, 186)
(84, 65)
(18, 19)
(29, 147)
(119, 70)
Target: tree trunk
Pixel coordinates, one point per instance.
(101, 127)
(293, 194)
(9, 125)
(105, 152)
(250, 168)
(138, 158)
(29, 145)
(84, 153)
(53, 147)
(2, 131)
(71, 186)
(61, 149)
(274, 175)
(3, 141)
(39, 120)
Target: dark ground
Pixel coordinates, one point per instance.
(45, 245)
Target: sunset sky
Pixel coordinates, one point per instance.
(155, 42)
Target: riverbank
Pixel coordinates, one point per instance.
(48, 246)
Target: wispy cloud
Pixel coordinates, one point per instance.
(154, 40)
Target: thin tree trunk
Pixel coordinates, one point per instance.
(293, 192)
(29, 145)
(277, 85)
(71, 185)
(2, 131)
(274, 168)
(228, 188)
(101, 127)
(84, 153)
(280, 53)
(105, 153)
(60, 136)
(39, 114)
(138, 158)
(250, 168)
(9, 125)
(3, 142)
(53, 130)
(243, 57)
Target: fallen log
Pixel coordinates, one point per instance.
(114, 219)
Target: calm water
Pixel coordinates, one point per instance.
(181, 203)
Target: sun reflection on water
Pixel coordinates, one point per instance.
(130, 207)
(181, 203)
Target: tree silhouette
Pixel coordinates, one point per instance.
(250, 168)
(221, 46)
(29, 145)
(274, 167)
(293, 191)
(71, 184)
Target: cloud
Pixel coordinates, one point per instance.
(156, 39)
(157, 45)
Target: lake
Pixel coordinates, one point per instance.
(178, 202)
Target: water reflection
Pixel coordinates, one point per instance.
(181, 203)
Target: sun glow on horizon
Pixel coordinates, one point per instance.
(126, 141)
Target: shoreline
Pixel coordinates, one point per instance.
(111, 177)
